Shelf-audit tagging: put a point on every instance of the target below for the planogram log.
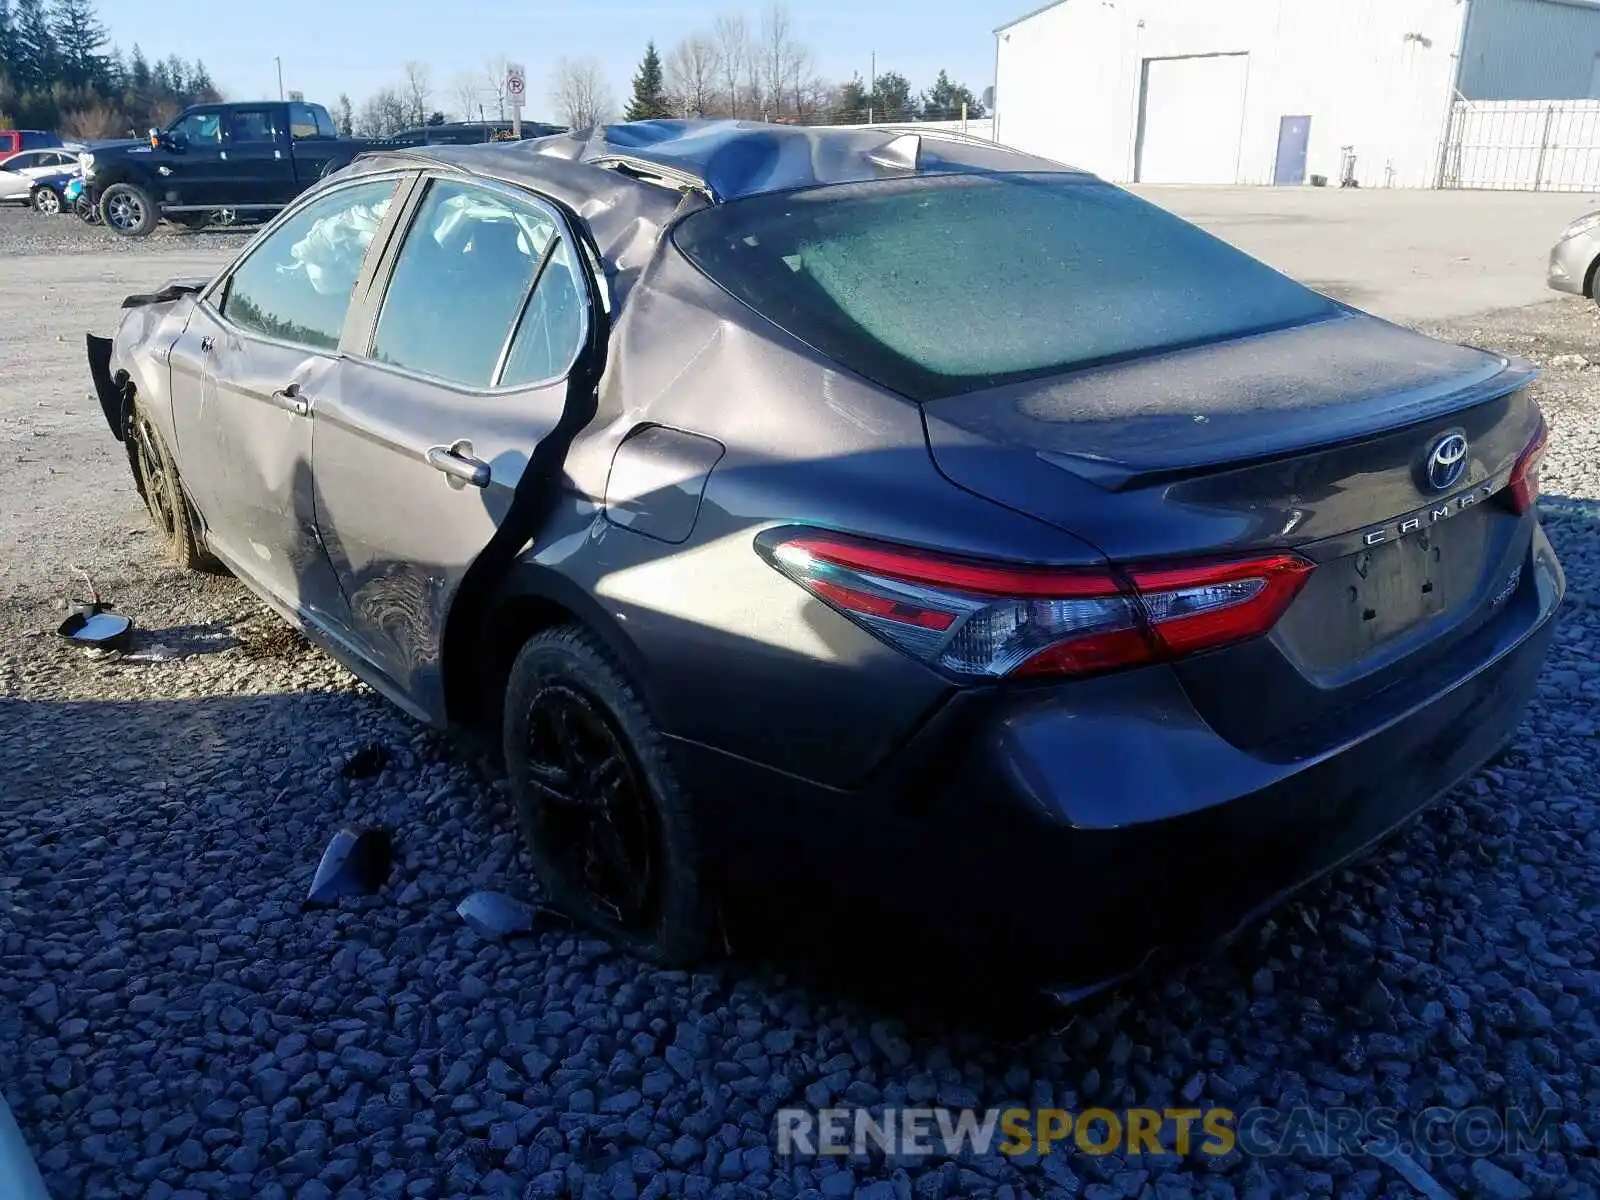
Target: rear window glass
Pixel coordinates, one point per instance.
(942, 285)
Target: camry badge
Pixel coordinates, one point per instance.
(1446, 462)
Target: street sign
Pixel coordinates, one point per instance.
(516, 88)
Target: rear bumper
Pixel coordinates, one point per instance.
(1068, 832)
(1570, 263)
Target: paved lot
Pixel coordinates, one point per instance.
(174, 1024)
(1405, 255)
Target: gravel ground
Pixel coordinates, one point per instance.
(174, 1024)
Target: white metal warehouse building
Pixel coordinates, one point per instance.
(1394, 93)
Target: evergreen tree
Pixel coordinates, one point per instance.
(79, 38)
(892, 99)
(177, 75)
(37, 63)
(344, 117)
(116, 76)
(943, 101)
(850, 106)
(649, 90)
(8, 50)
(138, 71)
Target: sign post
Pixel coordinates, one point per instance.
(516, 88)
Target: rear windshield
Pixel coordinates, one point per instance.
(941, 285)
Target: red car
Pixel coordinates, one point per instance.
(13, 140)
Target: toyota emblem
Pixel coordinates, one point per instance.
(1446, 462)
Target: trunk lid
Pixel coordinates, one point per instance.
(1315, 438)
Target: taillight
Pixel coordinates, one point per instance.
(1524, 490)
(986, 618)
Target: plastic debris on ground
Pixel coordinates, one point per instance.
(357, 862)
(496, 916)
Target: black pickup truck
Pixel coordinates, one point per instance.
(217, 160)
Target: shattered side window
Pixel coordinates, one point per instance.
(296, 285)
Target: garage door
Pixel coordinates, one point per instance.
(1191, 119)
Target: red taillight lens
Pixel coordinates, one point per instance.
(996, 619)
(1524, 490)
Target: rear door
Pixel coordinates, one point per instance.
(312, 142)
(418, 453)
(258, 355)
(257, 162)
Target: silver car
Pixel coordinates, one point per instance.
(1575, 255)
(22, 173)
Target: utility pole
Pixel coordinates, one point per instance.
(872, 86)
(279, 63)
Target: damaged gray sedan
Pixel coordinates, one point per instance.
(891, 518)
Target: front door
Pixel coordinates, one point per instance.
(266, 338)
(1294, 136)
(188, 171)
(418, 456)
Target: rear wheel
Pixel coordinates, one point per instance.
(156, 476)
(611, 834)
(47, 201)
(86, 210)
(129, 210)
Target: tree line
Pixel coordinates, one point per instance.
(756, 70)
(58, 72)
(763, 71)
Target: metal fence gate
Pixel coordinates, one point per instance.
(1522, 145)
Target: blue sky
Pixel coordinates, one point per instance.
(357, 46)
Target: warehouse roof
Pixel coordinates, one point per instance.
(1032, 12)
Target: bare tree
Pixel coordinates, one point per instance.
(494, 78)
(416, 91)
(733, 52)
(465, 89)
(383, 114)
(692, 75)
(782, 60)
(579, 90)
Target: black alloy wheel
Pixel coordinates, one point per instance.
(596, 813)
(612, 835)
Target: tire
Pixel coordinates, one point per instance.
(574, 726)
(86, 210)
(47, 201)
(156, 477)
(129, 210)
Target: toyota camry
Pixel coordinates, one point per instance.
(884, 516)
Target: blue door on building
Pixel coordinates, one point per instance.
(1294, 135)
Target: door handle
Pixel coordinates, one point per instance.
(456, 460)
(289, 398)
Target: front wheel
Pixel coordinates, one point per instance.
(47, 201)
(86, 210)
(129, 210)
(156, 476)
(612, 836)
